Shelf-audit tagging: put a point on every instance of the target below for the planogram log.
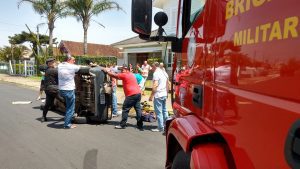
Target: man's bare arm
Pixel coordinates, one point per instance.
(110, 73)
(154, 88)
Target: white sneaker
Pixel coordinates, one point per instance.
(114, 115)
(157, 130)
(120, 127)
(119, 112)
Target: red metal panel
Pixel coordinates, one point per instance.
(184, 129)
(250, 75)
(209, 156)
(257, 79)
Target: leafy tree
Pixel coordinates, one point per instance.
(12, 52)
(36, 44)
(50, 9)
(84, 10)
(29, 37)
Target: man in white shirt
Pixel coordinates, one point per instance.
(159, 93)
(66, 85)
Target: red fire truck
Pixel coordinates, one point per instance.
(236, 82)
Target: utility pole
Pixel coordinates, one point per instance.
(38, 44)
(38, 40)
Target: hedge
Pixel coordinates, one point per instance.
(81, 60)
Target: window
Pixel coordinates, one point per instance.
(170, 58)
(189, 11)
(179, 30)
(196, 9)
(173, 17)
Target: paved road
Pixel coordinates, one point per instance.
(25, 142)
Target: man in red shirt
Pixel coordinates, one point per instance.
(132, 96)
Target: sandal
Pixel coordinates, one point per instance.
(71, 127)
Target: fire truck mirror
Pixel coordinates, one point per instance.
(141, 16)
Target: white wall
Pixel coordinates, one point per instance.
(122, 60)
(170, 7)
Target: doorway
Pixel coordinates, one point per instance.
(141, 57)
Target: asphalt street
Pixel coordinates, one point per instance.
(27, 143)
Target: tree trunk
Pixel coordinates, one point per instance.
(85, 25)
(85, 41)
(51, 28)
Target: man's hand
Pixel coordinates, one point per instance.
(110, 73)
(106, 70)
(151, 98)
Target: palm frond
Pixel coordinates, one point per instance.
(99, 23)
(102, 6)
(84, 10)
(22, 1)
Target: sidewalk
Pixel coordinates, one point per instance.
(26, 81)
(35, 84)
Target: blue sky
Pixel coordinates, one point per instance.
(117, 24)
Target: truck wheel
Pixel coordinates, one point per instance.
(80, 120)
(181, 160)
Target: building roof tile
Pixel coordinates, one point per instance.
(76, 49)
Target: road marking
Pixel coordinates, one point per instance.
(21, 102)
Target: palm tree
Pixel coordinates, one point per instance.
(50, 9)
(84, 10)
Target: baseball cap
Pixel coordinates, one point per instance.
(123, 67)
(50, 60)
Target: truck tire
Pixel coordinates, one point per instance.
(181, 160)
(80, 120)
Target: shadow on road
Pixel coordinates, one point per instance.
(55, 122)
(131, 123)
(37, 107)
(90, 159)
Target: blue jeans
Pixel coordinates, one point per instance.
(160, 108)
(114, 100)
(129, 102)
(69, 96)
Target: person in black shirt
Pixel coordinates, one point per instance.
(51, 86)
